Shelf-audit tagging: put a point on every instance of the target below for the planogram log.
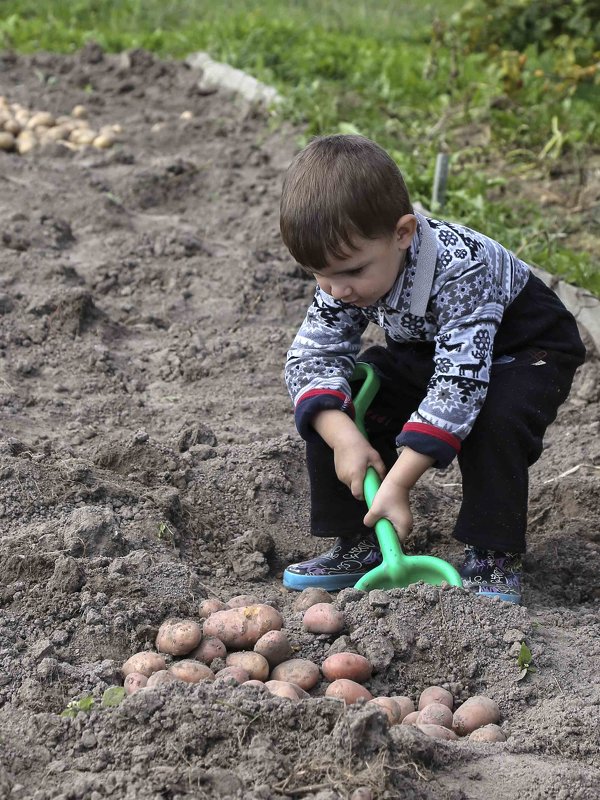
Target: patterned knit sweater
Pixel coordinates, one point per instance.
(474, 282)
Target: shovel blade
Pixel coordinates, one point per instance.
(412, 569)
(381, 577)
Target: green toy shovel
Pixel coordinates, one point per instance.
(397, 570)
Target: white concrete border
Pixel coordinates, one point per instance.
(584, 306)
(218, 75)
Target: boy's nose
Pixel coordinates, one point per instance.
(339, 292)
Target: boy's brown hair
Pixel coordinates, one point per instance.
(336, 189)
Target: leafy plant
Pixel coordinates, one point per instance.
(524, 660)
(85, 704)
(112, 696)
(166, 533)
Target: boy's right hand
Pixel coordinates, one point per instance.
(351, 461)
(352, 453)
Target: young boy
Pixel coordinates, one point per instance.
(479, 356)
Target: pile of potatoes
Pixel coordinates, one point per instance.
(245, 641)
(24, 130)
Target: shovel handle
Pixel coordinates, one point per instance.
(366, 394)
(426, 568)
(386, 534)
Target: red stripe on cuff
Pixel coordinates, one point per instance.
(316, 392)
(431, 430)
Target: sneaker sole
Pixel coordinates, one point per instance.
(297, 583)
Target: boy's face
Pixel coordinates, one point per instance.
(370, 271)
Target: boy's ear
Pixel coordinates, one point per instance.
(405, 230)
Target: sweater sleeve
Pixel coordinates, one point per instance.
(321, 360)
(469, 312)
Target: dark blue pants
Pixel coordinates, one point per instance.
(522, 400)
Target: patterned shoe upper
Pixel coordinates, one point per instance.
(347, 557)
(492, 572)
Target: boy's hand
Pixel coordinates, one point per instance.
(352, 456)
(391, 502)
(392, 498)
(352, 453)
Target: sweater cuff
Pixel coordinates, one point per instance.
(319, 400)
(430, 441)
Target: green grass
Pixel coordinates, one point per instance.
(390, 70)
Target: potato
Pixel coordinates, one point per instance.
(79, 112)
(251, 682)
(134, 681)
(406, 704)
(7, 141)
(283, 689)
(103, 141)
(178, 637)
(145, 662)
(410, 718)
(79, 124)
(209, 649)
(159, 678)
(323, 618)
(348, 691)
(435, 714)
(42, 119)
(297, 670)
(435, 694)
(21, 115)
(12, 126)
(310, 597)
(302, 693)
(26, 142)
(255, 665)
(232, 674)
(275, 647)
(347, 665)
(82, 136)
(390, 707)
(241, 628)
(242, 600)
(474, 713)
(191, 671)
(57, 133)
(210, 606)
(489, 733)
(437, 731)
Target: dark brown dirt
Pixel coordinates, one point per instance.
(148, 460)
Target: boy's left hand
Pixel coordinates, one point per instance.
(391, 502)
(392, 498)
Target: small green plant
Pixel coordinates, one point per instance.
(166, 533)
(85, 704)
(524, 662)
(112, 696)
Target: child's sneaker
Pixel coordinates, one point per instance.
(342, 566)
(492, 573)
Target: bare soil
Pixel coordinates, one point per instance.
(148, 459)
